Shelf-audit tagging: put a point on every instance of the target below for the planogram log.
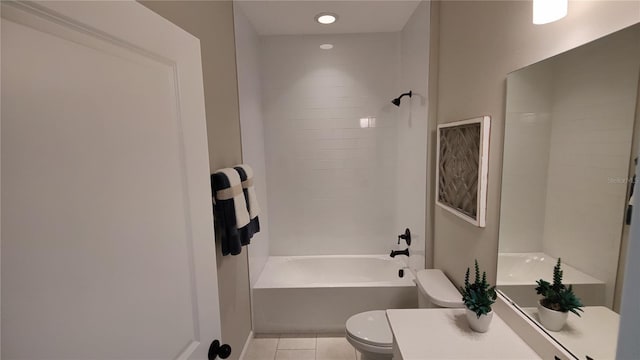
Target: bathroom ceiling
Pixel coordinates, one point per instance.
(274, 17)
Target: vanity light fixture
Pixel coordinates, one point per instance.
(326, 18)
(546, 11)
(326, 46)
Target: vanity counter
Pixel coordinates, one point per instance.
(594, 334)
(420, 334)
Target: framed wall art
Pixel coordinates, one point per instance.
(462, 168)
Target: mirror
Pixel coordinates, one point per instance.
(570, 131)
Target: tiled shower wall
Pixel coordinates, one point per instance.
(251, 122)
(332, 183)
(412, 136)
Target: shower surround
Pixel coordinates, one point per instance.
(331, 182)
(345, 168)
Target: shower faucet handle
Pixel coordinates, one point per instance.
(406, 237)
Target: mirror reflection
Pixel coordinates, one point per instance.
(570, 134)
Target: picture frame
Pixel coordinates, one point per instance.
(462, 167)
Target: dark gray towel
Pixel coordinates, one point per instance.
(225, 218)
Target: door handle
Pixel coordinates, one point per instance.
(215, 350)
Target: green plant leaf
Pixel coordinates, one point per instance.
(558, 296)
(479, 295)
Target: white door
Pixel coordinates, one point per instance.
(107, 235)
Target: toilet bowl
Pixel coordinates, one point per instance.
(369, 331)
(370, 334)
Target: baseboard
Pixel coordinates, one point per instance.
(246, 345)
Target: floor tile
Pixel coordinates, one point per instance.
(297, 342)
(261, 349)
(298, 335)
(295, 355)
(334, 348)
(332, 334)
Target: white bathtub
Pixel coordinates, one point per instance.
(518, 273)
(319, 293)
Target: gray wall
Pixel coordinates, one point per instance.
(480, 42)
(212, 23)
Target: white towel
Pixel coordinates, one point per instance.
(234, 191)
(254, 208)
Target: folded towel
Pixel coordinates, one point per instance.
(246, 175)
(230, 209)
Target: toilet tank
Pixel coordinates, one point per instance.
(435, 290)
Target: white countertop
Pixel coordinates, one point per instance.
(445, 334)
(595, 333)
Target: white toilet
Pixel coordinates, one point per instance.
(369, 331)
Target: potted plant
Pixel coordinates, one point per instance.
(478, 298)
(557, 300)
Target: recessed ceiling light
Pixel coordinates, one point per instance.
(326, 46)
(546, 11)
(326, 18)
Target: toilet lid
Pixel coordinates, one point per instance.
(438, 288)
(371, 328)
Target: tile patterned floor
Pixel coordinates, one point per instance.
(300, 347)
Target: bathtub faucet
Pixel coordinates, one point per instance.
(400, 252)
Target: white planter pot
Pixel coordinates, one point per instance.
(551, 319)
(480, 324)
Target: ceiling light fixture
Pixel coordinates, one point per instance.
(326, 46)
(546, 11)
(326, 18)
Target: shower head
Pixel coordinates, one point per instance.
(396, 101)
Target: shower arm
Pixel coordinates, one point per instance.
(409, 94)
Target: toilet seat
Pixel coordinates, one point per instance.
(370, 328)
